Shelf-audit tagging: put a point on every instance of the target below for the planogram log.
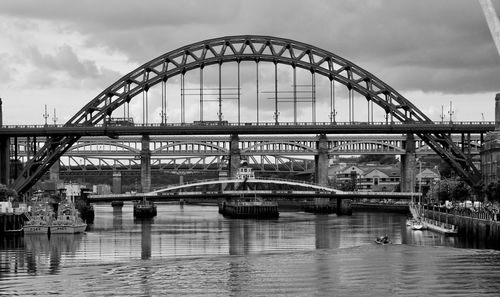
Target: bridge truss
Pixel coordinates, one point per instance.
(201, 153)
(136, 86)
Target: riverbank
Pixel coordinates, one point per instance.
(483, 232)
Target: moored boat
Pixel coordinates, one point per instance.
(36, 225)
(68, 221)
(144, 209)
(416, 224)
(446, 229)
(254, 207)
(40, 218)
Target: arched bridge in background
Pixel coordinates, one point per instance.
(234, 187)
(94, 155)
(361, 87)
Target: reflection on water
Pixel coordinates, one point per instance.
(192, 250)
(40, 254)
(145, 237)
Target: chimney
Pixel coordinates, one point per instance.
(497, 112)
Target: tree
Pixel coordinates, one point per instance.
(445, 170)
(5, 193)
(461, 192)
(381, 159)
(492, 191)
(347, 186)
(443, 190)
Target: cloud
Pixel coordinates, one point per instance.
(427, 46)
(65, 67)
(7, 71)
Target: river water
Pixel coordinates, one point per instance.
(193, 251)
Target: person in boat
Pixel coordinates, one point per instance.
(383, 239)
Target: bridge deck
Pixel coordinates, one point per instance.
(248, 128)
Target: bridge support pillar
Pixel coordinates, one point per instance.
(117, 182)
(234, 157)
(321, 161)
(344, 207)
(145, 164)
(319, 205)
(4, 160)
(408, 164)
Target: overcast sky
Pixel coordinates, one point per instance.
(63, 53)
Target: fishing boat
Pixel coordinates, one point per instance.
(68, 220)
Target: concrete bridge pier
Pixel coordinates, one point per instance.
(344, 207)
(234, 157)
(145, 164)
(321, 205)
(321, 161)
(408, 162)
(117, 182)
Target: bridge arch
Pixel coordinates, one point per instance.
(263, 145)
(355, 147)
(219, 149)
(264, 184)
(104, 143)
(248, 48)
(237, 49)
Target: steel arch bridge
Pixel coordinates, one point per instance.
(235, 49)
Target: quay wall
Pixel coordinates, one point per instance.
(10, 222)
(478, 232)
(380, 207)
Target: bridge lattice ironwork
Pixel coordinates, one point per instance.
(236, 49)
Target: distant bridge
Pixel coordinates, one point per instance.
(210, 153)
(262, 187)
